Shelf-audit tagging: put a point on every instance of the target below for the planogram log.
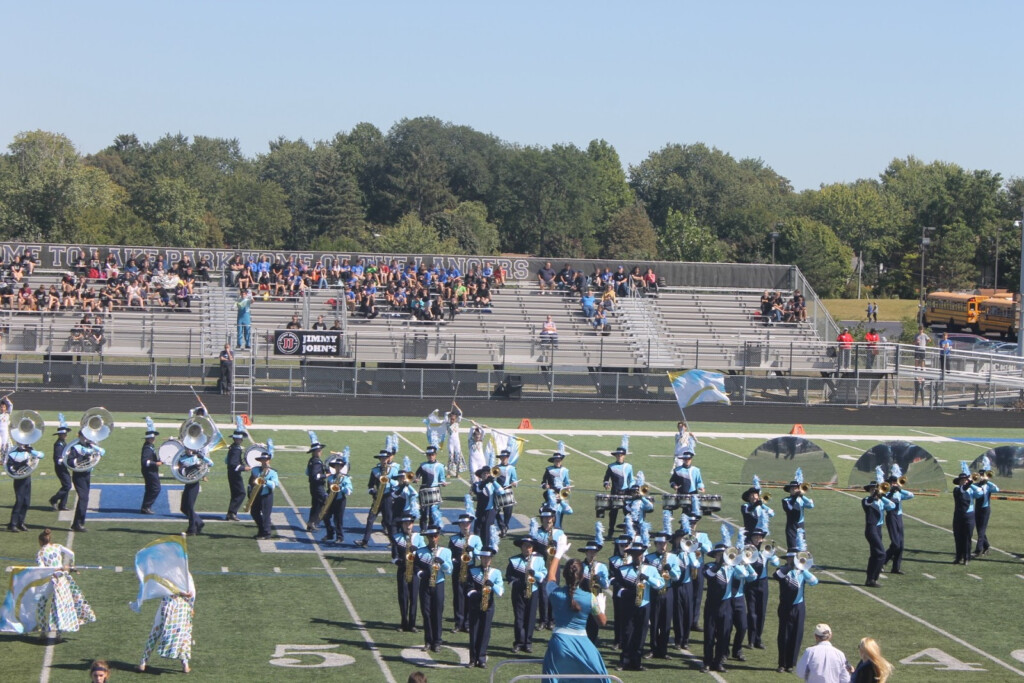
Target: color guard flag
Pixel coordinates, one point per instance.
(698, 386)
(162, 568)
(502, 441)
(27, 588)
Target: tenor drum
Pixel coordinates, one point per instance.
(507, 498)
(607, 501)
(709, 502)
(430, 496)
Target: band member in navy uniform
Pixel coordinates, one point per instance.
(550, 537)
(263, 505)
(190, 493)
(316, 474)
(554, 480)
(754, 507)
(509, 479)
(982, 510)
(685, 550)
(702, 550)
(595, 576)
(431, 474)
(686, 478)
(618, 559)
(384, 468)
(406, 498)
(404, 542)
(235, 466)
(18, 458)
(636, 583)
(894, 518)
(663, 599)
(486, 491)
(875, 505)
(524, 591)
(718, 608)
(757, 590)
(334, 516)
(463, 543)
(741, 577)
(793, 578)
(964, 495)
(434, 565)
(794, 507)
(484, 586)
(74, 456)
(618, 479)
(59, 500)
(150, 469)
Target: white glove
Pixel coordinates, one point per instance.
(598, 605)
(561, 546)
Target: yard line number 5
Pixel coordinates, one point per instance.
(309, 657)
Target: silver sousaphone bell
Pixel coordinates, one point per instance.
(95, 426)
(26, 428)
(196, 433)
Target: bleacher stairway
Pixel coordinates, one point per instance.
(646, 332)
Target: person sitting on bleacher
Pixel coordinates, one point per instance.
(203, 269)
(26, 299)
(589, 304)
(76, 338)
(134, 296)
(637, 284)
(549, 332)
(799, 307)
(89, 299)
(600, 321)
(368, 306)
(482, 298)
(608, 298)
(620, 278)
(183, 297)
(563, 280)
(546, 278)
(53, 299)
(96, 336)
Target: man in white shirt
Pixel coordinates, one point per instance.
(823, 662)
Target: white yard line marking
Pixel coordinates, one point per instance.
(223, 570)
(716, 448)
(1020, 576)
(380, 570)
(926, 624)
(928, 576)
(356, 619)
(118, 570)
(277, 570)
(974, 576)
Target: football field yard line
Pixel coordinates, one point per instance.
(357, 620)
(735, 455)
(933, 627)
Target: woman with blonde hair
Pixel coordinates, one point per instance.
(873, 667)
(65, 609)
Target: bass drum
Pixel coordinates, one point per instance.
(169, 450)
(249, 457)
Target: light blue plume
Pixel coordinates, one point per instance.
(406, 464)
(757, 482)
(630, 528)
(879, 475)
(270, 446)
(740, 537)
(493, 538)
(895, 471)
(645, 533)
(561, 448)
(684, 523)
(799, 476)
(640, 478)
(490, 456)
(598, 533)
(345, 453)
(624, 444)
(149, 424)
(63, 422)
(801, 540)
(986, 464)
(726, 535)
(312, 437)
(395, 442)
(387, 443)
(666, 522)
(534, 527)
(468, 500)
(965, 468)
(434, 439)
(239, 425)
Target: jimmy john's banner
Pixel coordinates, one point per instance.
(307, 343)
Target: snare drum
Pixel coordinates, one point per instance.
(607, 501)
(430, 496)
(709, 502)
(505, 499)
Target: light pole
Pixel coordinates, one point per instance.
(775, 236)
(1020, 295)
(925, 241)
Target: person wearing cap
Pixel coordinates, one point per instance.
(76, 453)
(982, 510)
(551, 537)
(508, 479)
(794, 506)
(964, 495)
(430, 474)
(753, 509)
(687, 479)
(465, 542)
(434, 566)
(150, 465)
(792, 609)
(875, 504)
(481, 579)
(19, 458)
(823, 662)
(316, 475)
(263, 505)
(556, 478)
(703, 550)
(756, 592)
(235, 464)
(384, 468)
(619, 558)
(485, 490)
(718, 608)
(618, 478)
(334, 516)
(664, 599)
(524, 592)
(595, 580)
(636, 582)
(59, 500)
(190, 493)
(406, 541)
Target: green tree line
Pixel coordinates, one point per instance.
(429, 186)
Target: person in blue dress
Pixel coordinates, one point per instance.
(570, 650)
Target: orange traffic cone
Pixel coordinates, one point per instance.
(525, 423)
(797, 429)
(245, 419)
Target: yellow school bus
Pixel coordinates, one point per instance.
(999, 314)
(955, 310)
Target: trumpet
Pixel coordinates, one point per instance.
(257, 486)
(410, 560)
(805, 487)
(766, 496)
(884, 487)
(495, 471)
(645, 489)
(382, 483)
(988, 474)
(563, 494)
(768, 547)
(902, 481)
(409, 477)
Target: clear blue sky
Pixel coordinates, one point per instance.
(821, 91)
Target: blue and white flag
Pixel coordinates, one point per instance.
(27, 587)
(503, 441)
(162, 568)
(437, 431)
(698, 386)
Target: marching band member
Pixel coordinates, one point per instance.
(686, 442)
(150, 465)
(595, 576)
(554, 480)
(552, 538)
(16, 459)
(384, 468)
(792, 610)
(982, 511)
(334, 516)
(509, 479)
(637, 504)
(59, 500)
(619, 558)
(171, 634)
(687, 479)
(6, 407)
(525, 575)
(664, 599)
(875, 506)
(718, 609)
(406, 499)
(689, 566)
(618, 478)
(434, 565)
(743, 575)
(464, 543)
(430, 474)
(486, 490)
(757, 591)
(569, 650)
(702, 550)
(636, 583)
(894, 519)
(794, 507)
(65, 610)
(964, 495)
(264, 503)
(190, 493)
(404, 542)
(235, 466)
(754, 507)
(82, 481)
(477, 457)
(316, 474)
(483, 586)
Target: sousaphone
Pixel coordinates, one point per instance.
(197, 433)
(95, 426)
(26, 428)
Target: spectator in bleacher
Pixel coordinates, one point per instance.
(96, 336)
(134, 296)
(500, 274)
(651, 281)
(107, 296)
(845, 340)
(546, 278)
(235, 268)
(461, 292)
(89, 302)
(337, 325)
(563, 280)
(53, 299)
(319, 324)
(482, 298)
(589, 304)
(243, 318)
(26, 299)
(637, 284)
(182, 296)
(608, 298)
(766, 306)
(294, 323)
(620, 278)
(799, 306)
(40, 297)
(203, 269)
(549, 332)
(368, 306)
(245, 280)
(600, 321)
(76, 338)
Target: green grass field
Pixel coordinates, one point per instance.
(280, 615)
(855, 309)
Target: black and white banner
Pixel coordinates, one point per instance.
(307, 343)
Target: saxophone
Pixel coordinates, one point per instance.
(334, 488)
(410, 560)
(434, 566)
(382, 483)
(665, 574)
(594, 588)
(641, 586)
(530, 581)
(257, 486)
(485, 598)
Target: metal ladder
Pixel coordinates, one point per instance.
(242, 382)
